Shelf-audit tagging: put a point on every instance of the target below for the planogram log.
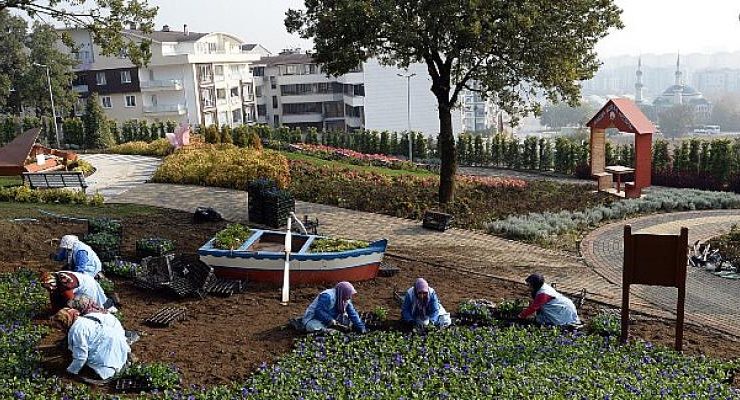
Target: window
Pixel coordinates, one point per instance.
(334, 109)
(247, 91)
(276, 120)
(234, 91)
(236, 116)
(221, 94)
(130, 101)
(258, 71)
(223, 118)
(273, 84)
(261, 110)
(154, 100)
(219, 69)
(301, 108)
(208, 119)
(274, 102)
(206, 73)
(100, 78)
(79, 107)
(125, 76)
(234, 69)
(258, 91)
(105, 101)
(208, 97)
(359, 89)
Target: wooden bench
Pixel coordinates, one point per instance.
(55, 180)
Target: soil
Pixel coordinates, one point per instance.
(225, 339)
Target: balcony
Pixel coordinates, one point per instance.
(80, 88)
(168, 84)
(178, 109)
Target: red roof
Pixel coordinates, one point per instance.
(13, 155)
(624, 115)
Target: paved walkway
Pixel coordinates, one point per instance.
(710, 300)
(461, 249)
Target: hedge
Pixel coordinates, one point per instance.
(23, 194)
(223, 166)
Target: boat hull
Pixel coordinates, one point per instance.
(305, 268)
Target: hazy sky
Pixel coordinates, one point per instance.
(651, 26)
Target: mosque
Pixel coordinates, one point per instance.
(676, 94)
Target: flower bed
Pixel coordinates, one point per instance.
(24, 194)
(477, 200)
(330, 245)
(465, 363)
(223, 166)
(538, 225)
(351, 156)
(231, 237)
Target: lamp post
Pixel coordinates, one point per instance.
(408, 110)
(51, 97)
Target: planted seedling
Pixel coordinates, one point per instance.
(232, 237)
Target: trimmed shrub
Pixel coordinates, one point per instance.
(223, 166)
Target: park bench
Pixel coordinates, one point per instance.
(55, 180)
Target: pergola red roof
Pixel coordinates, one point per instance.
(624, 115)
(13, 155)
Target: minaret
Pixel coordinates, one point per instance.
(638, 83)
(678, 92)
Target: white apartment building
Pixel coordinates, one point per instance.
(293, 91)
(199, 78)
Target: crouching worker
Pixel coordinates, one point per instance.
(421, 307)
(96, 340)
(78, 256)
(65, 285)
(552, 308)
(332, 308)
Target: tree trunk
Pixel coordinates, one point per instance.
(448, 155)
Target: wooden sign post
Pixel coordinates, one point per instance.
(657, 260)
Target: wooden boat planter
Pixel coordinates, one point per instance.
(261, 258)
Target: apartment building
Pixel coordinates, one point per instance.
(292, 90)
(199, 78)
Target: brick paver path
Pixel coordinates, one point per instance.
(710, 300)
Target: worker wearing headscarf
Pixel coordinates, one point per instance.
(421, 306)
(552, 308)
(333, 306)
(65, 285)
(96, 340)
(86, 305)
(78, 256)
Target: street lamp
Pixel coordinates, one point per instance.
(51, 97)
(408, 110)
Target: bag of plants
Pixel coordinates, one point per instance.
(206, 214)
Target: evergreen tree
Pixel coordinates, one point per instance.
(97, 128)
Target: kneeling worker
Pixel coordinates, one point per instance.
(421, 306)
(96, 340)
(331, 308)
(552, 308)
(65, 285)
(78, 256)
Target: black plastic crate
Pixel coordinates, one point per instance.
(437, 221)
(154, 247)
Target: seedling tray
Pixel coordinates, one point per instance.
(166, 316)
(132, 385)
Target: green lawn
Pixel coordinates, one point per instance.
(31, 210)
(378, 170)
(10, 181)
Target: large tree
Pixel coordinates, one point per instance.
(105, 19)
(13, 58)
(516, 50)
(33, 85)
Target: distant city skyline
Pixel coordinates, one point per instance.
(655, 26)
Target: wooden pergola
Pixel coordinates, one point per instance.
(624, 115)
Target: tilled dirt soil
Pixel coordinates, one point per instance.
(225, 339)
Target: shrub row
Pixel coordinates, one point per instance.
(223, 166)
(535, 225)
(158, 148)
(23, 194)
